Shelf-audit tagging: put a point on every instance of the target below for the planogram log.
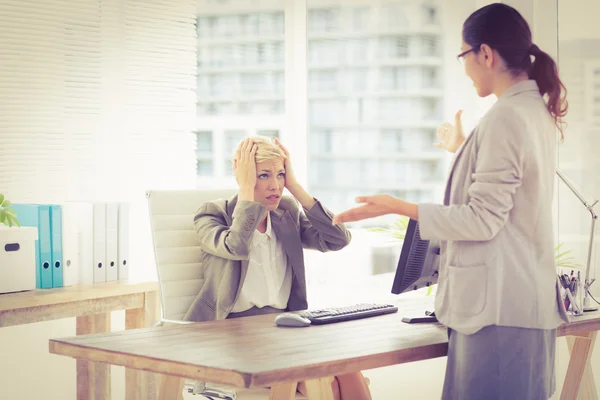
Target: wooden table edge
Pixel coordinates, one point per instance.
(249, 379)
(148, 364)
(354, 364)
(68, 294)
(575, 327)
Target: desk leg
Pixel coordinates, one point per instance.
(140, 385)
(579, 371)
(283, 391)
(319, 389)
(171, 388)
(93, 379)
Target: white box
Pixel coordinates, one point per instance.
(17, 258)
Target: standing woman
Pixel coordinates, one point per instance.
(497, 293)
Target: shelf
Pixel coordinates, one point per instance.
(381, 186)
(242, 69)
(337, 36)
(427, 93)
(429, 30)
(237, 40)
(431, 124)
(415, 156)
(380, 62)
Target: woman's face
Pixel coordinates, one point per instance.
(477, 68)
(270, 182)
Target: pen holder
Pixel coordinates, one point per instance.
(572, 294)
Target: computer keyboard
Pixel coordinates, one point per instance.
(340, 314)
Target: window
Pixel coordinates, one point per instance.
(268, 133)
(204, 142)
(241, 79)
(579, 67)
(370, 88)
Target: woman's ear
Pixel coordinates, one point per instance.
(488, 54)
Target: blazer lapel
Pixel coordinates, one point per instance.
(453, 165)
(287, 233)
(243, 263)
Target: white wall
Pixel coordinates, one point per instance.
(24, 349)
(97, 99)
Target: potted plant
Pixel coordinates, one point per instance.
(396, 230)
(8, 216)
(17, 251)
(563, 260)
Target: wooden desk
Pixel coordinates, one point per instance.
(91, 305)
(253, 352)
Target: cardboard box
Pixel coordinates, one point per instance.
(17, 258)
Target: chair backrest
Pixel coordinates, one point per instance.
(176, 248)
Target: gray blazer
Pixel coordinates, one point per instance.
(497, 263)
(225, 229)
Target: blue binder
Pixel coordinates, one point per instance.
(38, 216)
(57, 249)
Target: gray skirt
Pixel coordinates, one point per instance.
(500, 363)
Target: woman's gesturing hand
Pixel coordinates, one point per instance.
(374, 206)
(451, 137)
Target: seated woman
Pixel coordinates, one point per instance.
(252, 245)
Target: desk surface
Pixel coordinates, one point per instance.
(72, 301)
(253, 352)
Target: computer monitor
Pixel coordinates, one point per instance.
(418, 266)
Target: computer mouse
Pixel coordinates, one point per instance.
(291, 319)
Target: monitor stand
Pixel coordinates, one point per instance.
(429, 317)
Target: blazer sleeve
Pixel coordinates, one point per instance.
(229, 242)
(318, 232)
(502, 146)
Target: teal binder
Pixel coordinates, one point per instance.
(57, 248)
(38, 216)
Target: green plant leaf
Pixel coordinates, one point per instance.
(563, 260)
(1, 199)
(11, 212)
(396, 229)
(6, 203)
(2, 216)
(13, 220)
(378, 229)
(564, 253)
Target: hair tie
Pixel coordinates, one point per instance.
(534, 50)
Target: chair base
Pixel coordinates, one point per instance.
(200, 388)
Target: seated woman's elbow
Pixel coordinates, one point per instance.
(343, 242)
(239, 250)
(347, 238)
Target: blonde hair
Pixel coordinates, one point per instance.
(266, 149)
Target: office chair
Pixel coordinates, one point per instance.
(177, 255)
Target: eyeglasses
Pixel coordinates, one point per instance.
(461, 56)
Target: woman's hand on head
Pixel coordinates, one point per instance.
(244, 168)
(451, 136)
(290, 177)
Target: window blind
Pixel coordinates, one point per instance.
(97, 103)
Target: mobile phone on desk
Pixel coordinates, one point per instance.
(430, 317)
